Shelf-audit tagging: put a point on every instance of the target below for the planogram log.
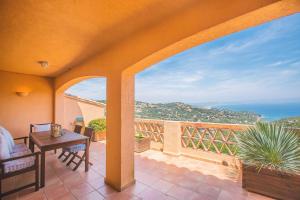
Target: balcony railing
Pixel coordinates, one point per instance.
(211, 137)
(151, 128)
(206, 141)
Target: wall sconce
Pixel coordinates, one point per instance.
(22, 93)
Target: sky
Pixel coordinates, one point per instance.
(257, 65)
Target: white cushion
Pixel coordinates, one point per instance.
(19, 164)
(4, 148)
(8, 137)
(41, 128)
(75, 148)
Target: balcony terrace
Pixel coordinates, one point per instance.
(47, 46)
(158, 176)
(166, 171)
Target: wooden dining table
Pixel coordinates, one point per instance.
(45, 142)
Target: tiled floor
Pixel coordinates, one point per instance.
(158, 176)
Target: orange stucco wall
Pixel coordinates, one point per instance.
(16, 113)
(117, 50)
(75, 107)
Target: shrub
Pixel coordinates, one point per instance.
(98, 125)
(270, 145)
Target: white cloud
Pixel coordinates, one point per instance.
(260, 64)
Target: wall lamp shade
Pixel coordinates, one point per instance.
(22, 93)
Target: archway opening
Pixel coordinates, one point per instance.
(85, 102)
(207, 95)
(216, 139)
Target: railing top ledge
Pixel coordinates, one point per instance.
(150, 120)
(216, 125)
(205, 124)
(197, 124)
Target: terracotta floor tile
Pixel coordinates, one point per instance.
(90, 175)
(120, 196)
(181, 193)
(82, 189)
(208, 191)
(72, 180)
(254, 196)
(53, 192)
(226, 195)
(151, 194)
(29, 194)
(67, 196)
(147, 179)
(53, 181)
(162, 186)
(137, 188)
(106, 191)
(172, 177)
(97, 183)
(91, 196)
(158, 176)
(190, 184)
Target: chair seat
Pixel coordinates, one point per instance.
(75, 148)
(15, 165)
(19, 148)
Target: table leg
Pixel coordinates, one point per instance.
(42, 169)
(87, 155)
(31, 145)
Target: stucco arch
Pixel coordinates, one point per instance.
(168, 37)
(200, 22)
(179, 32)
(59, 108)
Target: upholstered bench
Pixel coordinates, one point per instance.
(16, 159)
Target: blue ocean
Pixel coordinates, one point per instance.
(269, 112)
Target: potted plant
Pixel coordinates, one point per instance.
(99, 127)
(79, 121)
(142, 143)
(270, 156)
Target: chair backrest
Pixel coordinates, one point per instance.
(77, 129)
(88, 132)
(40, 127)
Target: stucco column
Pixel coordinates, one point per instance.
(120, 131)
(172, 137)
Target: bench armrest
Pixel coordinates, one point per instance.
(35, 154)
(22, 138)
(19, 157)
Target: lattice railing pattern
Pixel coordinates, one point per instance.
(211, 137)
(150, 128)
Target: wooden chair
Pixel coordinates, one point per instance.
(66, 155)
(40, 128)
(20, 162)
(74, 150)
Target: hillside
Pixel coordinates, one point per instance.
(178, 111)
(290, 122)
(183, 112)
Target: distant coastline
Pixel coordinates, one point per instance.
(268, 112)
